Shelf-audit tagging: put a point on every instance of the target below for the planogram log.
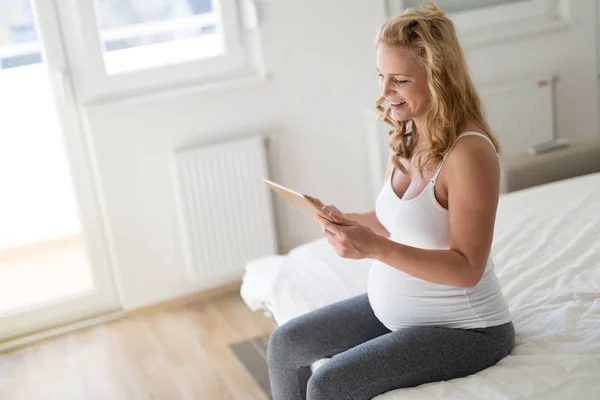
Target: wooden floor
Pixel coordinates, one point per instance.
(180, 353)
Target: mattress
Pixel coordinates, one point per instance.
(547, 255)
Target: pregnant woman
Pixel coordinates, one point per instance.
(434, 309)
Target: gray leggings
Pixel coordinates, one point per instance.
(369, 359)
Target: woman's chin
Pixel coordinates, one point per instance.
(400, 115)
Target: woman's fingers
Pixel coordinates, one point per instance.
(341, 219)
(328, 209)
(315, 200)
(327, 226)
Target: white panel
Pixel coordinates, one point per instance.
(520, 112)
(225, 209)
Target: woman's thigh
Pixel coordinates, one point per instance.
(326, 331)
(407, 358)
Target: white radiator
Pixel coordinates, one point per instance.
(520, 112)
(225, 209)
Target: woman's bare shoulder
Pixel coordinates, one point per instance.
(473, 155)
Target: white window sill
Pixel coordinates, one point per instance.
(195, 88)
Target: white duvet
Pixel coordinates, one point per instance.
(547, 255)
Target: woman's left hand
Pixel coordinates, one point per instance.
(348, 238)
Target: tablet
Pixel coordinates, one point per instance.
(298, 201)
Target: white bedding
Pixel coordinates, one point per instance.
(547, 255)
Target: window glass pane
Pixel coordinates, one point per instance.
(18, 39)
(138, 34)
(458, 5)
(117, 13)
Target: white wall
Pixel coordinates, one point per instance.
(569, 54)
(321, 57)
(322, 60)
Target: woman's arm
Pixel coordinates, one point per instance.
(472, 175)
(370, 220)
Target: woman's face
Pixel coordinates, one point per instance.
(403, 82)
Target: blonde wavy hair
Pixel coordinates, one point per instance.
(453, 98)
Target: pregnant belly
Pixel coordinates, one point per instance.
(401, 300)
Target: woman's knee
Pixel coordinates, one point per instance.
(284, 342)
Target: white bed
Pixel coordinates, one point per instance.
(547, 255)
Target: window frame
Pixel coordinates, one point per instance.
(500, 23)
(93, 85)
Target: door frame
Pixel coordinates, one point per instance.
(104, 300)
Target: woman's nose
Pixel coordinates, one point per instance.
(386, 89)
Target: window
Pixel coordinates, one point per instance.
(482, 22)
(18, 39)
(138, 34)
(123, 48)
(459, 5)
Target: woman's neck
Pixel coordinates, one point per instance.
(419, 124)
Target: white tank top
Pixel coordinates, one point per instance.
(400, 300)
